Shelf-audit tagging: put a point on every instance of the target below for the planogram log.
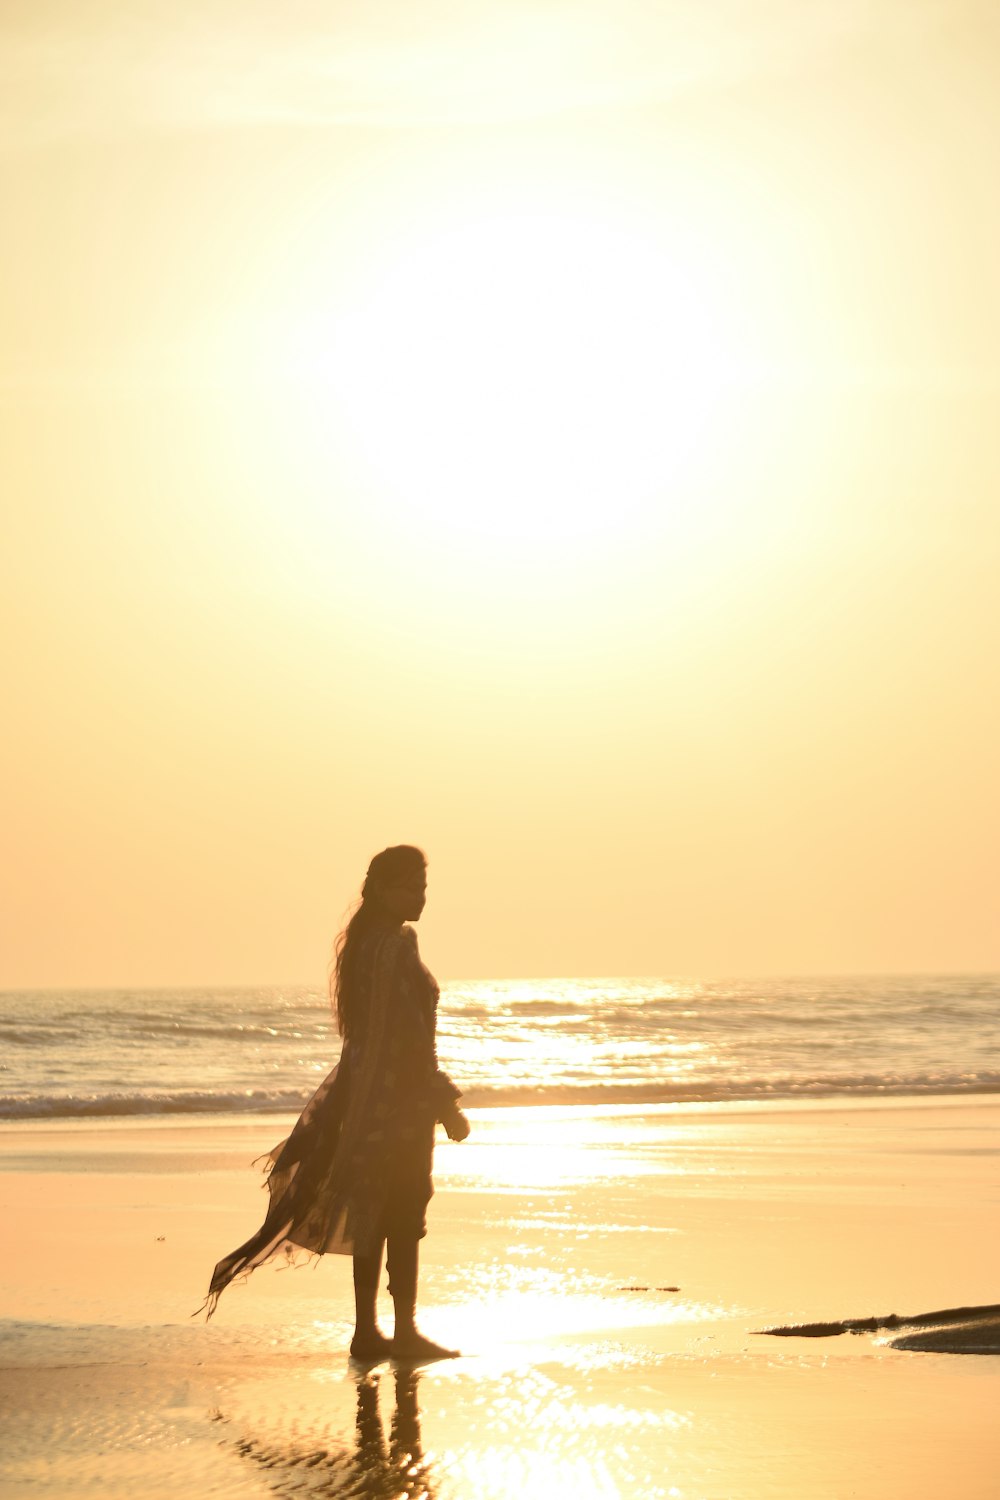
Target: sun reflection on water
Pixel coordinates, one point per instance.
(525, 1149)
(515, 1431)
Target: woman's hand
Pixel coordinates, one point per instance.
(455, 1123)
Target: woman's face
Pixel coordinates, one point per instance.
(406, 897)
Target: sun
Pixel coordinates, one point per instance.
(528, 377)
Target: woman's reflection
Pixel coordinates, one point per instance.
(374, 1469)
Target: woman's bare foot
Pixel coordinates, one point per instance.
(371, 1346)
(410, 1344)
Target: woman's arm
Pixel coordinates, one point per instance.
(417, 1043)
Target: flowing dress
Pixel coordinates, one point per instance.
(357, 1166)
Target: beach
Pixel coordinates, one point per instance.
(510, 489)
(606, 1272)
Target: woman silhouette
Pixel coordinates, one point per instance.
(355, 1173)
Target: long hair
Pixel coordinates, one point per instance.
(387, 868)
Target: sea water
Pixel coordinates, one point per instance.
(562, 1041)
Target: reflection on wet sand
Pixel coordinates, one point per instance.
(372, 1469)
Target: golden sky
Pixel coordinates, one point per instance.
(560, 435)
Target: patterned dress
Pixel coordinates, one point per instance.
(357, 1166)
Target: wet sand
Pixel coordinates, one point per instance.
(606, 1273)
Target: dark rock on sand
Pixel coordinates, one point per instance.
(953, 1330)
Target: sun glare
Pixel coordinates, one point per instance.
(528, 378)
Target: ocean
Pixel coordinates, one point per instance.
(107, 1053)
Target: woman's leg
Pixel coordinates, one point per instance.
(403, 1261)
(368, 1341)
(402, 1264)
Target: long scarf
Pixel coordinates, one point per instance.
(311, 1174)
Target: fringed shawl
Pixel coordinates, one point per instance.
(324, 1180)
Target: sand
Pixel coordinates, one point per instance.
(608, 1275)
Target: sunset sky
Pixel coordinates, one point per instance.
(565, 436)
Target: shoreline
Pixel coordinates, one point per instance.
(813, 1103)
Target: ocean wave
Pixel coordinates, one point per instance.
(276, 1101)
(26, 1036)
(76, 1106)
(238, 1031)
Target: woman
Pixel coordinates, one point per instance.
(355, 1173)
